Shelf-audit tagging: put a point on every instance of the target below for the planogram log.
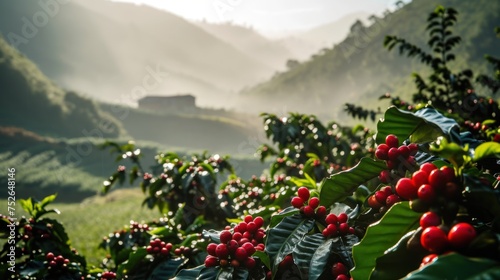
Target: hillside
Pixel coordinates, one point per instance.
(76, 168)
(306, 43)
(34, 102)
(249, 41)
(359, 69)
(106, 49)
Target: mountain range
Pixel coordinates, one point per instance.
(359, 69)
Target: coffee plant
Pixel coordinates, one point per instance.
(418, 198)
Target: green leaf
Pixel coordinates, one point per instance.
(134, 259)
(343, 184)
(424, 126)
(304, 251)
(319, 259)
(283, 238)
(398, 261)
(27, 205)
(32, 268)
(167, 269)
(487, 150)
(289, 211)
(264, 258)
(47, 200)
(189, 274)
(456, 266)
(382, 235)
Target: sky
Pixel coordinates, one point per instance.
(269, 16)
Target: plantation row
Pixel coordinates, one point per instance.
(418, 198)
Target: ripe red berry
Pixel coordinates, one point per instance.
(338, 269)
(344, 228)
(237, 236)
(404, 151)
(385, 176)
(252, 227)
(461, 235)
(406, 189)
(249, 248)
(211, 261)
(373, 202)
(287, 261)
(387, 190)
(392, 141)
(448, 173)
(221, 251)
(331, 219)
(248, 219)
(434, 239)
(242, 227)
(393, 154)
(321, 211)
(297, 202)
(381, 152)
(303, 193)
(342, 217)
(342, 277)
(392, 199)
(419, 178)
(428, 167)
(413, 149)
(429, 219)
(164, 251)
(426, 193)
(325, 233)
(437, 179)
(259, 221)
(211, 249)
(381, 197)
(250, 263)
(232, 246)
(50, 256)
(225, 236)
(331, 229)
(241, 254)
(314, 202)
(308, 211)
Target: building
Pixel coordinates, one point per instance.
(171, 103)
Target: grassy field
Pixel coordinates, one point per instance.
(88, 222)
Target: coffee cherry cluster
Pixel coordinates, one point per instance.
(429, 183)
(400, 158)
(56, 262)
(159, 248)
(186, 251)
(32, 231)
(309, 206)
(108, 275)
(340, 271)
(136, 227)
(337, 226)
(237, 247)
(436, 240)
(383, 199)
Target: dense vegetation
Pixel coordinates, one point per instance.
(417, 199)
